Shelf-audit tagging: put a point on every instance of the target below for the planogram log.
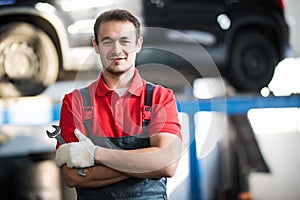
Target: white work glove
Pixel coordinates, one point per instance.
(76, 154)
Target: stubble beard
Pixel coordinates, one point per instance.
(118, 72)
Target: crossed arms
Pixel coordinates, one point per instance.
(158, 160)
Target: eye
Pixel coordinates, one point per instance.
(107, 42)
(125, 41)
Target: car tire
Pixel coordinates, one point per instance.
(28, 60)
(252, 62)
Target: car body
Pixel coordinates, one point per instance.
(39, 40)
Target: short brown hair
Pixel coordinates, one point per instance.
(116, 15)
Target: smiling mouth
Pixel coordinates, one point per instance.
(117, 58)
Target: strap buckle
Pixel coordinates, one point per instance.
(87, 113)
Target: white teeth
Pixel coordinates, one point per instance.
(115, 58)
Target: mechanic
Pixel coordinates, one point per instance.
(123, 156)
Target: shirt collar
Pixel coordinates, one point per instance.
(135, 87)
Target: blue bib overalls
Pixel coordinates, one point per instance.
(131, 188)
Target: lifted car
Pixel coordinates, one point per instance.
(39, 40)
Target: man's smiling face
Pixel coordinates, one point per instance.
(118, 46)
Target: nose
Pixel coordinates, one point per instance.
(117, 47)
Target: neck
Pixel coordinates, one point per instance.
(115, 80)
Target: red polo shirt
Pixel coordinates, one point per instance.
(115, 116)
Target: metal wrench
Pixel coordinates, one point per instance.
(56, 134)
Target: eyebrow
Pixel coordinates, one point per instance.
(110, 38)
(106, 38)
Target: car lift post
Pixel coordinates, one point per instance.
(237, 108)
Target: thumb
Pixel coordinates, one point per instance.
(79, 135)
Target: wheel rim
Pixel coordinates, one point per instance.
(19, 60)
(253, 64)
(28, 60)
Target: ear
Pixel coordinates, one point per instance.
(139, 44)
(95, 45)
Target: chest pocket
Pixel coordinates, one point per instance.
(126, 142)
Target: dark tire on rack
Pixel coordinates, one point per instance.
(252, 62)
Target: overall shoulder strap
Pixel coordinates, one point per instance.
(88, 106)
(148, 103)
(87, 109)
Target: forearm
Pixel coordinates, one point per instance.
(97, 176)
(158, 160)
(167, 171)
